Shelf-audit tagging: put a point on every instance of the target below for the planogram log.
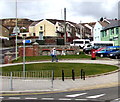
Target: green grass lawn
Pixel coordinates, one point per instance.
(90, 69)
(39, 58)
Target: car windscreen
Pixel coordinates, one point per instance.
(86, 42)
(78, 42)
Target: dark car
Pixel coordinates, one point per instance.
(89, 49)
(115, 54)
(108, 50)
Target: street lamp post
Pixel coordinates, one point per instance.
(16, 31)
(65, 26)
(24, 56)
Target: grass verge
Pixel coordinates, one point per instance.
(90, 69)
(40, 58)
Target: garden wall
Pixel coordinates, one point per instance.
(39, 50)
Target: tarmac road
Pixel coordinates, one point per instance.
(110, 94)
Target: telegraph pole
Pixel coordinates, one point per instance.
(65, 25)
(24, 55)
(16, 31)
(118, 21)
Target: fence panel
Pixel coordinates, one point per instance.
(33, 80)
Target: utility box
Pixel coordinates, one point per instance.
(60, 42)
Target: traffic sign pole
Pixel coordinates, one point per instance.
(24, 58)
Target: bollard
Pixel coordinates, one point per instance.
(52, 78)
(53, 75)
(81, 73)
(84, 75)
(73, 74)
(62, 75)
(11, 81)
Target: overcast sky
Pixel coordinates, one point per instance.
(76, 10)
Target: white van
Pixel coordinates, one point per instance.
(99, 44)
(80, 42)
(102, 43)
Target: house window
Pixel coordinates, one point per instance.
(56, 28)
(117, 31)
(33, 34)
(102, 33)
(112, 31)
(41, 27)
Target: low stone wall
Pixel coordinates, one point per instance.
(61, 49)
(38, 50)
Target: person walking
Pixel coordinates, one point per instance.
(54, 55)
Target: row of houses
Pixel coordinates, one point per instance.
(56, 28)
(107, 30)
(103, 30)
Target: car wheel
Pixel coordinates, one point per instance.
(101, 55)
(116, 57)
(80, 47)
(89, 52)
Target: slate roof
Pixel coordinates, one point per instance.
(104, 24)
(54, 22)
(35, 22)
(113, 23)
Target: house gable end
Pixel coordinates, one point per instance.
(44, 21)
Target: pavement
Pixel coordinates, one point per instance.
(36, 85)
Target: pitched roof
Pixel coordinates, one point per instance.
(104, 24)
(35, 22)
(92, 24)
(54, 22)
(114, 23)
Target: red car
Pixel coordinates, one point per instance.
(99, 49)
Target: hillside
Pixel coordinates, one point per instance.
(23, 24)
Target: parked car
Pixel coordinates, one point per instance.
(88, 49)
(80, 42)
(99, 49)
(87, 46)
(107, 50)
(115, 54)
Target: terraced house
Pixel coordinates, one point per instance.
(111, 32)
(47, 28)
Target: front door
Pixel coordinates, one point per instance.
(40, 35)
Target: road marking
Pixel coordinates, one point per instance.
(81, 89)
(47, 98)
(64, 99)
(35, 80)
(75, 95)
(117, 99)
(81, 99)
(30, 98)
(95, 96)
(1, 97)
(14, 97)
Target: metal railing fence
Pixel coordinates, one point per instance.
(29, 80)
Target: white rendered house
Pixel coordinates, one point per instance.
(97, 29)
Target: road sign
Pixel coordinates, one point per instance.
(16, 30)
(26, 41)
